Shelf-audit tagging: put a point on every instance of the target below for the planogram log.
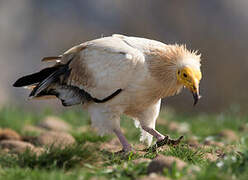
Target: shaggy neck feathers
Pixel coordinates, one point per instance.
(163, 63)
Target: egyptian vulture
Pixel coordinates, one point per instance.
(118, 75)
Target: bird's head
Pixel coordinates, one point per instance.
(174, 66)
(190, 78)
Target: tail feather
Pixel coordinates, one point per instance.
(34, 78)
(47, 81)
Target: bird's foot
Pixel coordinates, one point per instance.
(125, 154)
(126, 149)
(165, 141)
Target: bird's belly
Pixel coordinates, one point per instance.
(135, 103)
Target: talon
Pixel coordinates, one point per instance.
(165, 141)
(175, 142)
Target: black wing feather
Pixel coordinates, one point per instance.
(34, 78)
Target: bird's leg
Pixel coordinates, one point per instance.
(161, 139)
(154, 133)
(126, 146)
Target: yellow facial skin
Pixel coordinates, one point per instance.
(190, 78)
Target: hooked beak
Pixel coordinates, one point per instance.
(196, 97)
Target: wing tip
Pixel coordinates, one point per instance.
(17, 83)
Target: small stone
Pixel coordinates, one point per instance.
(38, 150)
(54, 124)
(178, 127)
(211, 157)
(229, 135)
(160, 162)
(183, 128)
(243, 127)
(9, 134)
(163, 148)
(112, 146)
(139, 147)
(55, 139)
(154, 176)
(30, 139)
(141, 160)
(220, 153)
(173, 126)
(16, 146)
(193, 142)
(214, 143)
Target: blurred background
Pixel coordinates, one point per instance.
(30, 30)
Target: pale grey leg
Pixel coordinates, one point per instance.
(126, 146)
(153, 132)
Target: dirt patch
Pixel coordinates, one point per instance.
(160, 162)
(15, 146)
(192, 142)
(214, 143)
(141, 160)
(211, 157)
(112, 146)
(228, 135)
(54, 124)
(56, 139)
(9, 134)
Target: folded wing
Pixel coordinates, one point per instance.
(95, 71)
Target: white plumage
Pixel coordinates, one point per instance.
(145, 70)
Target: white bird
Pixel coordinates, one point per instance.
(119, 75)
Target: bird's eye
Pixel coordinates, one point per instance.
(185, 75)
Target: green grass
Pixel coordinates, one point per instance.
(85, 159)
(52, 158)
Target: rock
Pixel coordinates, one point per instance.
(139, 147)
(214, 143)
(243, 127)
(16, 146)
(141, 160)
(112, 146)
(30, 139)
(38, 150)
(54, 124)
(193, 142)
(220, 153)
(183, 128)
(178, 127)
(173, 126)
(229, 135)
(56, 139)
(33, 129)
(211, 157)
(160, 162)
(154, 176)
(9, 134)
